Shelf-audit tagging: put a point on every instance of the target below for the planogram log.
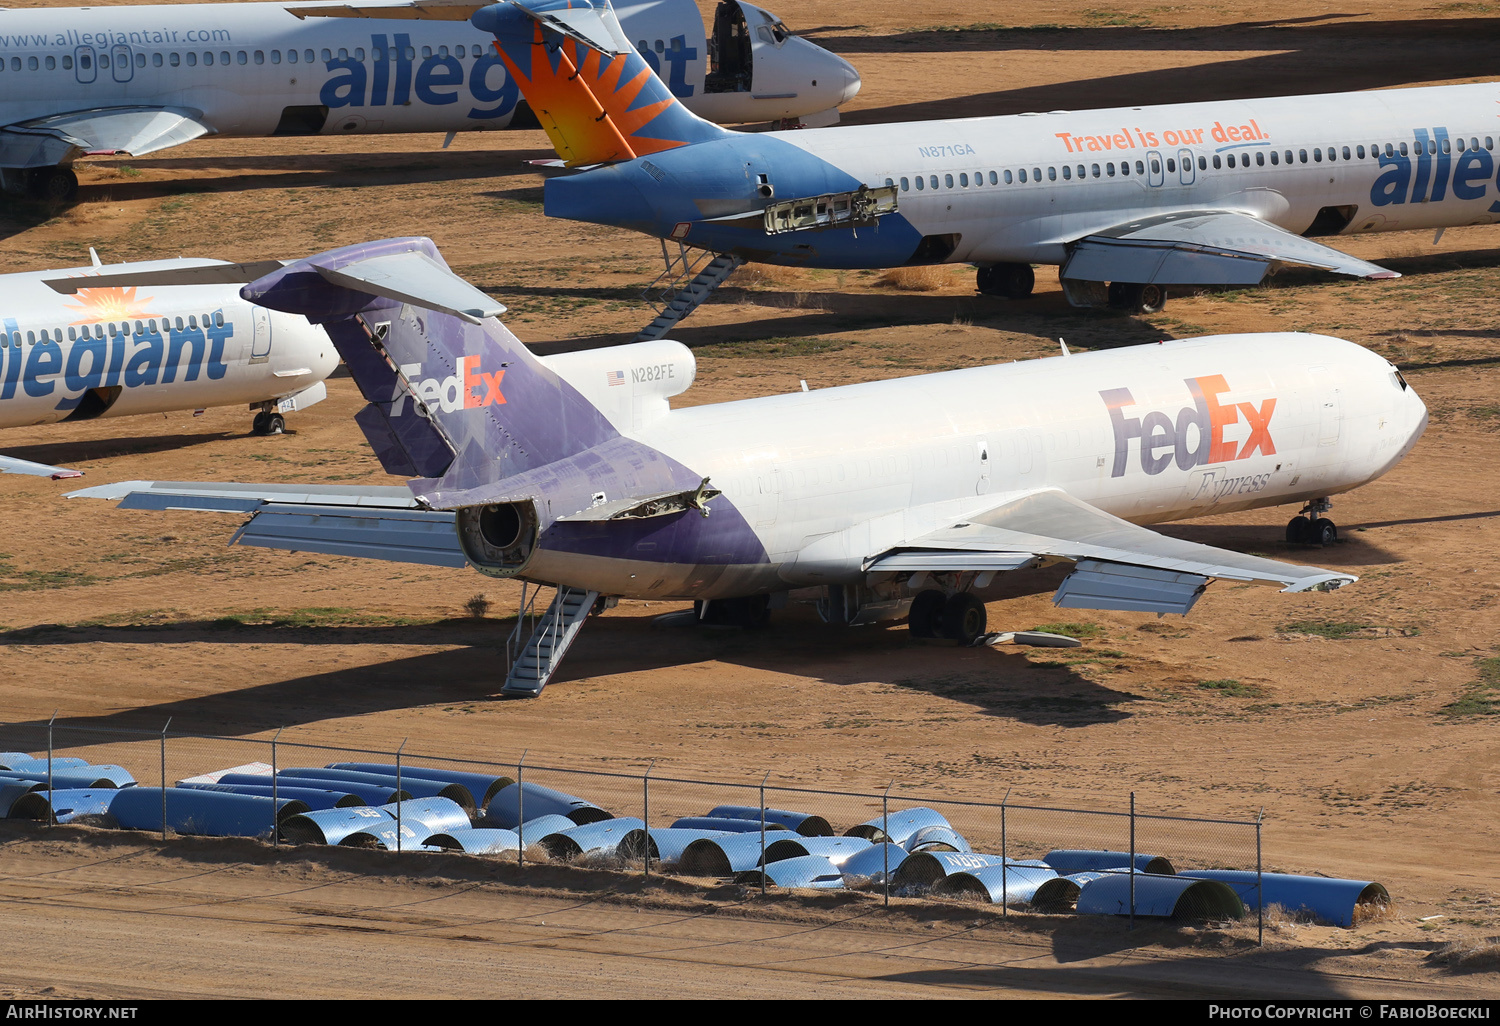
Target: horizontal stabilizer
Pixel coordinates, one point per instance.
(207, 274)
(412, 277)
(11, 465)
(399, 536)
(230, 497)
(1202, 247)
(1097, 585)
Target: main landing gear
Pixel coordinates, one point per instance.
(1313, 528)
(1008, 281)
(960, 617)
(268, 422)
(1129, 297)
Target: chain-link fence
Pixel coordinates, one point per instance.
(1024, 858)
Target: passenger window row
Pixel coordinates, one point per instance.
(111, 328)
(1124, 169)
(211, 58)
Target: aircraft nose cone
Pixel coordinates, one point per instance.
(851, 81)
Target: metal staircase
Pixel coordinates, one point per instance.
(688, 297)
(554, 631)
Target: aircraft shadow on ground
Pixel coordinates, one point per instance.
(1310, 59)
(82, 450)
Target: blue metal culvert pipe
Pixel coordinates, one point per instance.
(937, 838)
(371, 794)
(803, 871)
(1068, 861)
(1159, 896)
(804, 823)
(506, 807)
(82, 776)
(1333, 901)
(23, 762)
(74, 805)
(481, 786)
(1060, 894)
(836, 850)
(330, 826)
(206, 813)
(10, 790)
(727, 826)
(867, 868)
(1013, 885)
(432, 814)
(722, 856)
(388, 837)
(476, 840)
(667, 843)
(902, 825)
(533, 830)
(602, 838)
(927, 868)
(417, 787)
(313, 798)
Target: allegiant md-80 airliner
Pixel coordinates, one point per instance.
(135, 79)
(75, 345)
(1128, 202)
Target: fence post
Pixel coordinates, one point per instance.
(646, 817)
(1260, 894)
(51, 811)
(275, 794)
(763, 832)
(885, 851)
(1004, 862)
(521, 810)
(398, 791)
(164, 727)
(1132, 860)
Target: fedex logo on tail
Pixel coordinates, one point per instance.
(1194, 437)
(469, 389)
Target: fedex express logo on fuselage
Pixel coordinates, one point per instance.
(1195, 436)
(466, 390)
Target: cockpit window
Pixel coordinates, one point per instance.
(1400, 380)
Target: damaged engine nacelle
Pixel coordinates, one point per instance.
(499, 539)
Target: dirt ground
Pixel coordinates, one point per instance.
(1362, 721)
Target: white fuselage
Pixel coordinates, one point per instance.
(111, 352)
(254, 69)
(829, 478)
(1022, 187)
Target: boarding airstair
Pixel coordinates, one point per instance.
(684, 298)
(553, 632)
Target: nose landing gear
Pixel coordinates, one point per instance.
(268, 422)
(1312, 528)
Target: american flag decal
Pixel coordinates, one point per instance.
(616, 377)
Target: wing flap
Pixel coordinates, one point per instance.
(1203, 247)
(1099, 585)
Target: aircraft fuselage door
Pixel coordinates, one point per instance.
(83, 64)
(260, 347)
(1154, 173)
(120, 63)
(1185, 166)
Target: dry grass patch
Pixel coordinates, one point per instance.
(914, 279)
(1471, 952)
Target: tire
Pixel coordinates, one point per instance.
(1323, 532)
(1008, 281)
(926, 617)
(1132, 298)
(1296, 531)
(53, 185)
(259, 424)
(964, 618)
(275, 424)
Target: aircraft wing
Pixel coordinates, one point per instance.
(1203, 247)
(43, 142)
(371, 521)
(11, 465)
(1120, 565)
(420, 10)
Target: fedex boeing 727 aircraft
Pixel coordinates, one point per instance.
(898, 498)
(135, 79)
(1127, 202)
(74, 346)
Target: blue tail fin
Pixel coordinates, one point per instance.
(597, 98)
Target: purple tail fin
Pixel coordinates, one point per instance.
(453, 396)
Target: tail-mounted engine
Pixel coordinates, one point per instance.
(499, 539)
